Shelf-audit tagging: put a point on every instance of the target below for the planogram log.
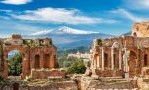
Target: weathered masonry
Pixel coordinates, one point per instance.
(37, 54)
(124, 56)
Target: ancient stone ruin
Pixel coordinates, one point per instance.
(120, 63)
(124, 56)
(39, 55)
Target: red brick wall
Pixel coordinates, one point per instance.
(110, 73)
(44, 74)
(29, 54)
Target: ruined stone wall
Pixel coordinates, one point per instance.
(128, 41)
(64, 85)
(47, 57)
(37, 54)
(45, 74)
(141, 29)
(137, 55)
(1, 56)
(117, 86)
(110, 73)
(143, 42)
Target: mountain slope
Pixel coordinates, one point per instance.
(66, 37)
(62, 30)
(126, 34)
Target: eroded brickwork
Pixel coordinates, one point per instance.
(124, 56)
(37, 54)
(141, 29)
(47, 74)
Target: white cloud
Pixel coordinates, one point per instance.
(59, 15)
(137, 4)
(128, 15)
(16, 2)
(17, 27)
(7, 11)
(44, 32)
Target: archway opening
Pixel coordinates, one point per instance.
(15, 63)
(106, 60)
(145, 60)
(115, 62)
(37, 62)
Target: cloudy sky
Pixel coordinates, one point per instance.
(106, 16)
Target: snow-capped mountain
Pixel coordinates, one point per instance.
(74, 31)
(66, 37)
(41, 33)
(62, 30)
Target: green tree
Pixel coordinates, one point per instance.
(14, 65)
(77, 67)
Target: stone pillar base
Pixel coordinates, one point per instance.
(94, 74)
(126, 75)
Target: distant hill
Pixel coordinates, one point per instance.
(81, 49)
(128, 33)
(66, 37)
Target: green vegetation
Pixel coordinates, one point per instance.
(14, 65)
(77, 67)
(72, 65)
(30, 43)
(99, 42)
(62, 55)
(3, 82)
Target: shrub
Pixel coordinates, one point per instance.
(77, 67)
(15, 66)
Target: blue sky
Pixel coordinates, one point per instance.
(106, 16)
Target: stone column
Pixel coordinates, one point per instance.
(120, 59)
(98, 61)
(112, 58)
(125, 56)
(95, 61)
(102, 58)
(92, 62)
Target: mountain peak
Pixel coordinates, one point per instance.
(64, 27)
(74, 31)
(62, 30)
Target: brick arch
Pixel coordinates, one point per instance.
(134, 50)
(21, 52)
(21, 62)
(25, 62)
(106, 61)
(29, 48)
